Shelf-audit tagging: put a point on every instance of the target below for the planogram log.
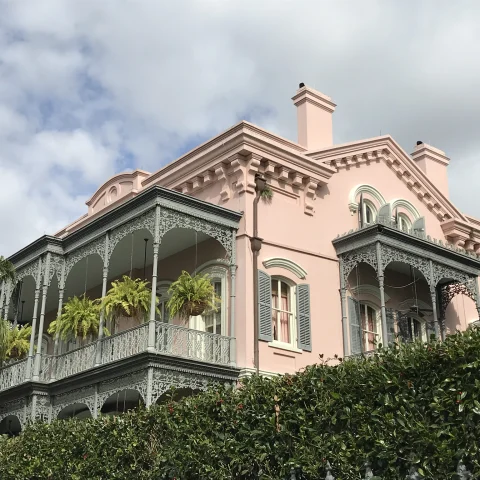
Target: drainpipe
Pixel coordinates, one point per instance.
(256, 244)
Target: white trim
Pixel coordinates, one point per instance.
(248, 371)
(409, 302)
(292, 314)
(368, 290)
(287, 264)
(212, 263)
(410, 208)
(284, 346)
(364, 188)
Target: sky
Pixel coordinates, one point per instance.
(91, 88)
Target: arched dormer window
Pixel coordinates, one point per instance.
(368, 200)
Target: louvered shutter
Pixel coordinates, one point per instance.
(385, 214)
(390, 325)
(355, 328)
(265, 329)
(303, 317)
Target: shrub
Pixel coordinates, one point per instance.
(415, 403)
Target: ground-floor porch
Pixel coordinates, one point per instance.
(144, 379)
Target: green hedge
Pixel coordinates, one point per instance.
(416, 403)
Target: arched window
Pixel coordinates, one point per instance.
(412, 329)
(371, 326)
(369, 212)
(403, 222)
(283, 312)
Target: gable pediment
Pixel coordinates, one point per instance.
(385, 149)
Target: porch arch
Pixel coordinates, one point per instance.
(122, 401)
(10, 425)
(75, 410)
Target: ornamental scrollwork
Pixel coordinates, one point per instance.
(42, 408)
(390, 254)
(441, 271)
(351, 259)
(14, 408)
(447, 292)
(163, 380)
(95, 247)
(85, 395)
(133, 381)
(56, 267)
(170, 219)
(30, 270)
(145, 221)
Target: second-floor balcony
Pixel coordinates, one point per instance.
(170, 340)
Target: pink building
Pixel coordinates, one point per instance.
(359, 245)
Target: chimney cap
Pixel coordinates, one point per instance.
(301, 85)
(419, 142)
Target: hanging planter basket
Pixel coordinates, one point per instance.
(193, 309)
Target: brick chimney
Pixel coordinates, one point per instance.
(314, 118)
(434, 164)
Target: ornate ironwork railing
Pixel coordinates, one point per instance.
(125, 344)
(13, 374)
(76, 361)
(47, 367)
(169, 340)
(194, 344)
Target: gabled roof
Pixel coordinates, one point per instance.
(386, 149)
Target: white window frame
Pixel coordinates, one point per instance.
(404, 222)
(218, 273)
(368, 204)
(378, 323)
(292, 345)
(423, 328)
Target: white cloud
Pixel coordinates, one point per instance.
(85, 86)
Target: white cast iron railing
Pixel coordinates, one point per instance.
(13, 374)
(125, 344)
(75, 361)
(169, 340)
(194, 344)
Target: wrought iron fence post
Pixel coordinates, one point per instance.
(462, 472)
(329, 472)
(413, 474)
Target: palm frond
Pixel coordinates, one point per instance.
(7, 270)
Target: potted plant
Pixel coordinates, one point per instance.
(191, 296)
(266, 194)
(80, 319)
(18, 342)
(128, 298)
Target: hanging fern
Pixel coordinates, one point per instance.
(18, 343)
(191, 296)
(80, 319)
(128, 298)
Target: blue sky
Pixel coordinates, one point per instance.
(88, 89)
